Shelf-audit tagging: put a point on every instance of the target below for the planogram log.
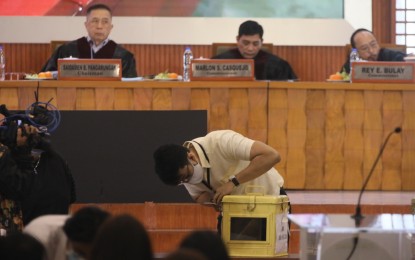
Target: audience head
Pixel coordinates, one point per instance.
(249, 39)
(366, 44)
(21, 246)
(185, 254)
(82, 227)
(169, 159)
(122, 237)
(98, 22)
(209, 243)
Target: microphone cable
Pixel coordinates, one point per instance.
(358, 213)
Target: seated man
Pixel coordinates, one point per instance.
(267, 65)
(368, 48)
(96, 45)
(68, 236)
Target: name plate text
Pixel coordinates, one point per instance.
(212, 69)
(383, 72)
(89, 69)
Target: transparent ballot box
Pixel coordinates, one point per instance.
(339, 236)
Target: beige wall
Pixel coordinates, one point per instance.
(164, 30)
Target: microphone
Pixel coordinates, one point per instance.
(91, 43)
(358, 214)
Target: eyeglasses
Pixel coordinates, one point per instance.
(186, 178)
(368, 47)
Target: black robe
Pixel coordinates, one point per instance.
(384, 55)
(81, 49)
(267, 65)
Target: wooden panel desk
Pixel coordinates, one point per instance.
(241, 106)
(328, 134)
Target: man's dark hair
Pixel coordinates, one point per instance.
(83, 225)
(207, 242)
(122, 237)
(352, 42)
(250, 28)
(98, 6)
(21, 246)
(168, 159)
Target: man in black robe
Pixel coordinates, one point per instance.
(267, 65)
(96, 45)
(368, 48)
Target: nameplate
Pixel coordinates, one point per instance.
(383, 72)
(212, 69)
(89, 69)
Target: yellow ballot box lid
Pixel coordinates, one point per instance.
(259, 199)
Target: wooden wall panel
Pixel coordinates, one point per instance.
(328, 134)
(315, 140)
(296, 136)
(257, 114)
(334, 136)
(344, 131)
(238, 110)
(143, 98)
(277, 125)
(408, 140)
(353, 140)
(66, 98)
(219, 116)
(382, 20)
(391, 159)
(373, 136)
(105, 98)
(27, 96)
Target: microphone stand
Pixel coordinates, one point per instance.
(358, 217)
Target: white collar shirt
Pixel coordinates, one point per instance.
(228, 153)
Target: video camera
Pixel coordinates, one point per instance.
(44, 116)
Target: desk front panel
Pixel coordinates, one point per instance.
(328, 134)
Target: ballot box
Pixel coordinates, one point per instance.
(255, 225)
(339, 236)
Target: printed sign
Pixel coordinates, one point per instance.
(89, 69)
(235, 69)
(383, 72)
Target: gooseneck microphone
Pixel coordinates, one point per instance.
(358, 214)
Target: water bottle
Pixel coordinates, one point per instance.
(187, 60)
(354, 56)
(2, 64)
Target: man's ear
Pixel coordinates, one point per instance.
(192, 156)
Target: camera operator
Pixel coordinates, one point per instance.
(33, 176)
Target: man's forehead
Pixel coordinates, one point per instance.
(99, 13)
(251, 38)
(364, 38)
